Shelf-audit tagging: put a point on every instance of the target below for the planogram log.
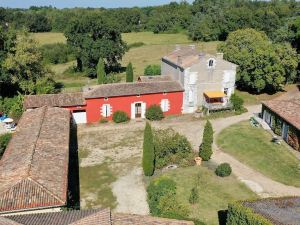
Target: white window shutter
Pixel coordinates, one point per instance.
(109, 111)
(102, 110)
(132, 111)
(143, 110)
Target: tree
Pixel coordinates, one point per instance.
(152, 70)
(263, 66)
(24, 64)
(205, 149)
(237, 102)
(148, 151)
(101, 71)
(129, 73)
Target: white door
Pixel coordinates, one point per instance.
(79, 117)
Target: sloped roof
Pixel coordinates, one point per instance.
(154, 78)
(75, 217)
(54, 100)
(186, 57)
(34, 167)
(127, 89)
(289, 110)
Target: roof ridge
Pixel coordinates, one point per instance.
(44, 108)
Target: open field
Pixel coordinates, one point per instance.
(49, 38)
(253, 146)
(214, 192)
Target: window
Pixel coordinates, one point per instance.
(226, 91)
(106, 99)
(106, 110)
(211, 63)
(165, 105)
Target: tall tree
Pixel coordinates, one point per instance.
(101, 71)
(148, 151)
(129, 73)
(205, 149)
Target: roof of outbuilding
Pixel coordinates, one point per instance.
(286, 109)
(154, 78)
(127, 89)
(34, 167)
(54, 100)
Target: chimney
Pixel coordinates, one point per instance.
(177, 47)
(220, 55)
(192, 47)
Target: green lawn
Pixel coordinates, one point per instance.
(253, 147)
(49, 38)
(214, 192)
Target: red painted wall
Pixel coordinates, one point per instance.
(123, 103)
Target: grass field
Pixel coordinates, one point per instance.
(214, 192)
(49, 38)
(253, 147)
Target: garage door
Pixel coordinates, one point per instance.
(79, 117)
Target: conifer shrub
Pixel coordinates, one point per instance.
(129, 73)
(194, 196)
(223, 170)
(148, 151)
(120, 117)
(205, 149)
(154, 112)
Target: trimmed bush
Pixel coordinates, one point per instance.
(152, 70)
(4, 139)
(205, 149)
(154, 112)
(239, 214)
(237, 103)
(120, 117)
(223, 170)
(148, 151)
(194, 196)
(172, 148)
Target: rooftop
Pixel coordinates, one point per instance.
(88, 217)
(128, 89)
(154, 78)
(286, 109)
(54, 100)
(280, 211)
(34, 167)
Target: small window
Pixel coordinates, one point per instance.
(165, 105)
(106, 99)
(164, 93)
(211, 63)
(138, 95)
(106, 110)
(226, 91)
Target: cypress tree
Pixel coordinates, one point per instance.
(205, 149)
(129, 73)
(101, 71)
(148, 151)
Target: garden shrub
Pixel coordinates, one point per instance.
(223, 170)
(103, 120)
(148, 151)
(237, 103)
(56, 53)
(154, 112)
(13, 107)
(152, 70)
(205, 149)
(239, 214)
(171, 148)
(194, 196)
(120, 117)
(4, 139)
(278, 126)
(162, 199)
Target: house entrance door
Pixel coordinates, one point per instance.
(138, 110)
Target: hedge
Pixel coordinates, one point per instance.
(120, 117)
(239, 214)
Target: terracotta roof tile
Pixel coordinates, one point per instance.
(54, 100)
(289, 110)
(34, 167)
(155, 78)
(127, 89)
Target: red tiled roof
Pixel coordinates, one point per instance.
(34, 167)
(54, 100)
(127, 89)
(289, 110)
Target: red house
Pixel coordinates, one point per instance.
(102, 101)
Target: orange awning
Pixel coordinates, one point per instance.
(214, 94)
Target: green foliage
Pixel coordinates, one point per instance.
(239, 214)
(103, 120)
(101, 75)
(237, 103)
(112, 78)
(152, 70)
(129, 73)
(171, 147)
(120, 117)
(162, 199)
(45, 85)
(4, 139)
(148, 151)
(223, 170)
(37, 22)
(263, 66)
(194, 196)
(13, 107)
(56, 53)
(205, 149)
(154, 112)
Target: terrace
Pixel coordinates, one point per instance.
(216, 100)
